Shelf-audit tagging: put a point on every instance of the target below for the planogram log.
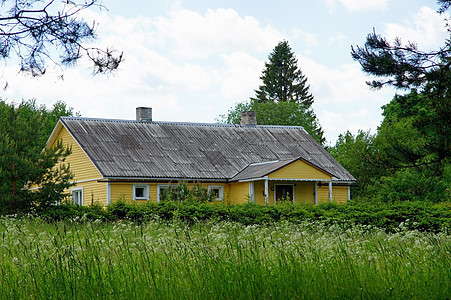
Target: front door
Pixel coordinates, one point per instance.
(284, 192)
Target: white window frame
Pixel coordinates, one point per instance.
(275, 191)
(79, 191)
(164, 186)
(221, 191)
(146, 191)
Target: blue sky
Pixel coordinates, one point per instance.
(193, 60)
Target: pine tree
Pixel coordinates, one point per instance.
(23, 133)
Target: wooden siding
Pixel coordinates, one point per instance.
(124, 190)
(299, 169)
(305, 192)
(239, 192)
(323, 194)
(259, 190)
(93, 192)
(80, 164)
(86, 175)
(340, 194)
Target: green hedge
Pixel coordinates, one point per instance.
(404, 215)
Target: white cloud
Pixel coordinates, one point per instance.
(337, 39)
(426, 28)
(241, 76)
(217, 31)
(359, 5)
(188, 66)
(308, 38)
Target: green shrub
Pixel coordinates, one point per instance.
(422, 216)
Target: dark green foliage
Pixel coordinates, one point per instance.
(357, 155)
(415, 133)
(23, 160)
(182, 192)
(412, 185)
(422, 216)
(71, 212)
(411, 151)
(282, 79)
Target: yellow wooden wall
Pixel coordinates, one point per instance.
(86, 174)
(339, 194)
(93, 192)
(239, 192)
(323, 194)
(259, 190)
(301, 170)
(79, 162)
(124, 190)
(305, 192)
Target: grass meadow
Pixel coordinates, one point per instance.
(219, 260)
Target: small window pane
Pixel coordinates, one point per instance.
(77, 197)
(139, 192)
(214, 192)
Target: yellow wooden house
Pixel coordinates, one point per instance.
(137, 160)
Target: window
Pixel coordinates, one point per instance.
(77, 196)
(217, 192)
(140, 192)
(162, 191)
(284, 192)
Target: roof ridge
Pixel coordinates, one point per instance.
(181, 123)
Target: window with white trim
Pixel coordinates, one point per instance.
(162, 191)
(77, 196)
(216, 191)
(140, 192)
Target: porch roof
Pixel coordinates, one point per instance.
(259, 170)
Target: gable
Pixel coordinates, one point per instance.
(80, 164)
(299, 169)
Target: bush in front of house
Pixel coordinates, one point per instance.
(409, 215)
(412, 215)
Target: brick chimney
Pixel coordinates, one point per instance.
(144, 114)
(248, 118)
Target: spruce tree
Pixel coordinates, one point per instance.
(282, 78)
(284, 97)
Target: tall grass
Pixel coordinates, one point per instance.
(157, 260)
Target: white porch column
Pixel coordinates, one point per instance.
(108, 193)
(266, 192)
(316, 193)
(330, 190)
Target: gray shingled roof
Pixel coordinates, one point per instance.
(132, 149)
